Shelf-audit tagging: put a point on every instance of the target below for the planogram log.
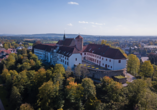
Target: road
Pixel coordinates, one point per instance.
(130, 78)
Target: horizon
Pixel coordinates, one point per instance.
(97, 18)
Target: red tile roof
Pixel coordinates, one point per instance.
(79, 37)
(105, 51)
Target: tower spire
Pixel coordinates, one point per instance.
(64, 36)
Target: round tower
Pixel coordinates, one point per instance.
(79, 42)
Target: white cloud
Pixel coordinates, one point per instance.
(73, 3)
(93, 26)
(70, 24)
(83, 22)
(93, 23)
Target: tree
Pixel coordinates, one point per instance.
(111, 89)
(68, 72)
(74, 93)
(26, 66)
(47, 94)
(89, 88)
(136, 91)
(26, 106)
(133, 64)
(103, 42)
(15, 97)
(84, 71)
(78, 71)
(146, 69)
(40, 76)
(59, 69)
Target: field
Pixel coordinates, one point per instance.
(31, 44)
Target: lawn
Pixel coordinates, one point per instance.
(30, 44)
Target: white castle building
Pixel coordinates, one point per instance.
(71, 52)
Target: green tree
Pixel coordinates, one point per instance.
(59, 69)
(146, 69)
(15, 97)
(47, 94)
(133, 64)
(68, 72)
(89, 88)
(136, 91)
(78, 71)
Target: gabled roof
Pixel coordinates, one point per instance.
(67, 51)
(105, 51)
(65, 42)
(46, 47)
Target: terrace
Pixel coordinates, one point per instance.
(91, 65)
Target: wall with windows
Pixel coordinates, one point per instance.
(75, 59)
(119, 64)
(40, 54)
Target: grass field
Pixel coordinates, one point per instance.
(30, 44)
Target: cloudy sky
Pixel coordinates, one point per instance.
(94, 17)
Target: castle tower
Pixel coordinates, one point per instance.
(79, 42)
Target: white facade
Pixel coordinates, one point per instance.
(55, 58)
(108, 63)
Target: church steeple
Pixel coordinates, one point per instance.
(64, 36)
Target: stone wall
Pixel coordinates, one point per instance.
(97, 74)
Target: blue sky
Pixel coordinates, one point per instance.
(94, 17)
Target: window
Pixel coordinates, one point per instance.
(103, 64)
(84, 53)
(75, 59)
(67, 58)
(111, 66)
(81, 53)
(106, 59)
(108, 66)
(102, 58)
(110, 60)
(119, 61)
(63, 61)
(67, 63)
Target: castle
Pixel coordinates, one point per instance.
(70, 52)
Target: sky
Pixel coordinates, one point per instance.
(91, 17)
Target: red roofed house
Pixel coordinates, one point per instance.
(4, 53)
(71, 52)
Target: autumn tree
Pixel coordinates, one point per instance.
(103, 41)
(133, 64)
(146, 69)
(111, 89)
(26, 106)
(74, 93)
